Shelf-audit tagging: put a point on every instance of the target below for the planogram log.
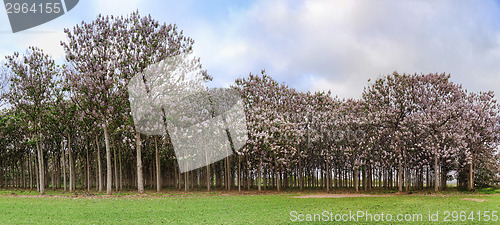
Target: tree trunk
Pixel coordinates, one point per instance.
(264, 177)
(436, 174)
(355, 177)
(227, 174)
(99, 163)
(108, 161)
(400, 176)
(443, 174)
(88, 165)
(158, 175)
(327, 175)
(259, 178)
(186, 181)
(278, 179)
(301, 177)
(471, 177)
(40, 165)
(30, 171)
(116, 169)
(53, 173)
(239, 173)
(427, 180)
(63, 159)
(248, 179)
(364, 175)
(179, 176)
(140, 182)
(71, 166)
(408, 179)
(209, 176)
(120, 162)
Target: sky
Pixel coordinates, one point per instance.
(311, 45)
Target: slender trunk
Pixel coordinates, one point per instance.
(53, 173)
(120, 162)
(379, 178)
(108, 161)
(99, 163)
(228, 173)
(40, 166)
(278, 179)
(301, 176)
(116, 169)
(408, 180)
(259, 178)
(239, 173)
(400, 176)
(355, 177)
(158, 174)
(248, 179)
(328, 175)
(179, 177)
(209, 175)
(36, 172)
(264, 179)
(208, 178)
(71, 166)
(88, 165)
(436, 174)
(427, 181)
(30, 171)
(63, 159)
(370, 174)
(365, 177)
(186, 181)
(96, 177)
(140, 182)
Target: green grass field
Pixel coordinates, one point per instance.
(24, 207)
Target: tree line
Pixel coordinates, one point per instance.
(69, 126)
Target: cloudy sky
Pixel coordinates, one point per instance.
(312, 45)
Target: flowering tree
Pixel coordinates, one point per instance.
(419, 109)
(405, 129)
(30, 91)
(481, 126)
(108, 52)
(390, 102)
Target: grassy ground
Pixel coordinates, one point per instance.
(25, 207)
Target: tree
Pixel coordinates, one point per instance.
(438, 102)
(63, 118)
(30, 91)
(481, 126)
(108, 52)
(390, 101)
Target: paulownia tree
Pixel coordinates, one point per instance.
(389, 101)
(481, 126)
(106, 54)
(31, 90)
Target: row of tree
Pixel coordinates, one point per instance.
(406, 130)
(61, 123)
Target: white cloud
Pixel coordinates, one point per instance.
(316, 44)
(119, 7)
(339, 45)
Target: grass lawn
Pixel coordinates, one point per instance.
(23, 207)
